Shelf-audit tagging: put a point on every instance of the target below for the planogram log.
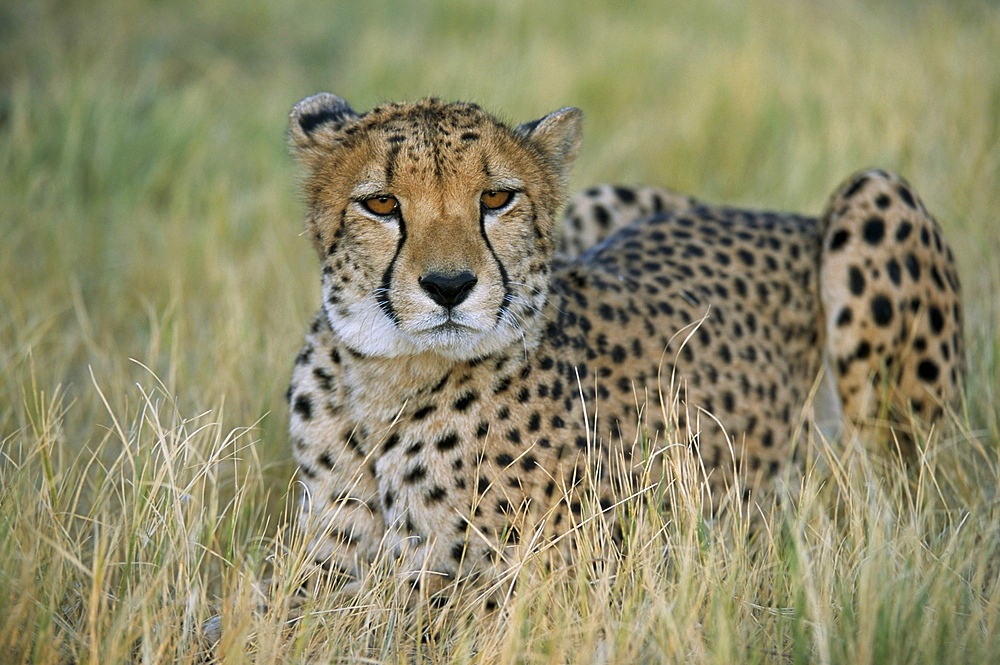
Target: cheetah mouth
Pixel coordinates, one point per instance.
(449, 329)
(449, 333)
(451, 324)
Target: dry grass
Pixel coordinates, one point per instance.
(153, 292)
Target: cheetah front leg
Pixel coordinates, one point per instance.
(892, 308)
(340, 510)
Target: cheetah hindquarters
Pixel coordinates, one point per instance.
(891, 301)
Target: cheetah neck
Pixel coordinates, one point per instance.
(383, 388)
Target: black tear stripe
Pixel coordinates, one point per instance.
(507, 294)
(382, 297)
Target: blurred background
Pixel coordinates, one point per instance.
(149, 219)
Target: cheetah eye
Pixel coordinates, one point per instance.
(494, 200)
(382, 206)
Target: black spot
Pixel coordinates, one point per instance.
(874, 230)
(470, 136)
(502, 385)
(839, 239)
(856, 187)
(514, 436)
(528, 462)
(463, 402)
(626, 196)
(618, 353)
(424, 412)
(863, 351)
(325, 460)
(535, 422)
(903, 231)
(936, 276)
(725, 355)
(882, 201)
(855, 280)
(303, 406)
(305, 355)
(602, 216)
(558, 422)
(458, 550)
(881, 310)
(845, 316)
(416, 474)
(436, 494)
(937, 319)
(323, 378)
(440, 384)
(746, 257)
(907, 197)
(391, 441)
(913, 266)
(928, 371)
(894, 271)
(447, 442)
(482, 429)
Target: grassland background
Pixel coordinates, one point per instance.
(154, 285)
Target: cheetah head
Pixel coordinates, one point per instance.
(435, 223)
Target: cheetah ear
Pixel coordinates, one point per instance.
(316, 117)
(558, 135)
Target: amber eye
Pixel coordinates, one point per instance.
(381, 205)
(495, 200)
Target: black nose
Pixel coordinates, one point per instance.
(447, 289)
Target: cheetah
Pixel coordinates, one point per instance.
(473, 374)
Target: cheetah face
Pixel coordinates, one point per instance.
(434, 222)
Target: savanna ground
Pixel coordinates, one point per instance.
(154, 288)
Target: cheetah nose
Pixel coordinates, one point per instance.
(448, 289)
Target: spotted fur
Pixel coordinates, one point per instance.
(440, 405)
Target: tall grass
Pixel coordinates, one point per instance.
(154, 288)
